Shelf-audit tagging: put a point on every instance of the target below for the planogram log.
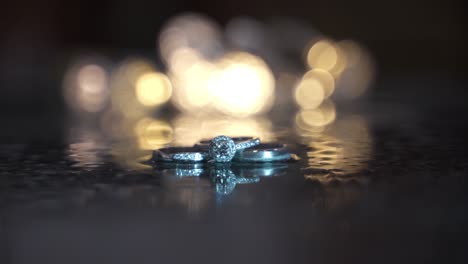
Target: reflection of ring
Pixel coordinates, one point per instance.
(259, 170)
(267, 152)
(223, 148)
(179, 154)
(225, 180)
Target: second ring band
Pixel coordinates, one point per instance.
(266, 152)
(180, 154)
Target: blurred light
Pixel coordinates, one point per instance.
(322, 55)
(344, 148)
(191, 88)
(153, 89)
(188, 129)
(314, 118)
(327, 56)
(87, 146)
(324, 77)
(86, 87)
(181, 60)
(354, 52)
(309, 93)
(129, 154)
(111, 122)
(243, 85)
(153, 133)
(359, 72)
(191, 31)
(126, 98)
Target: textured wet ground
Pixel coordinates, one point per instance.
(382, 184)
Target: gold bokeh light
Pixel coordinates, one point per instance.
(309, 93)
(191, 90)
(153, 133)
(243, 85)
(189, 129)
(325, 78)
(313, 118)
(86, 87)
(192, 31)
(328, 56)
(153, 89)
(322, 55)
(126, 98)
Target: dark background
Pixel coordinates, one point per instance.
(38, 37)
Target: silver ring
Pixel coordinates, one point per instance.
(267, 152)
(225, 180)
(180, 154)
(223, 148)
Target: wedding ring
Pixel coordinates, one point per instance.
(223, 148)
(225, 180)
(266, 152)
(180, 154)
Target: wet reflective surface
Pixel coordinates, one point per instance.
(382, 183)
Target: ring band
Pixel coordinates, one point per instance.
(225, 180)
(262, 170)
(248, 143)
(266, 152)
(180, 154)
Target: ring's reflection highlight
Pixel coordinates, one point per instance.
(188, 183)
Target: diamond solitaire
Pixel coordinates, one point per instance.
(223, 148)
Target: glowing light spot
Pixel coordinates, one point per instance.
(191, 91)
(190, 129)
(123, 85)
(324, 77)
(319, 117)
(193, 31)
(359, 72)
(328, 56)
(153, 133)
(322, 55)
(243, 85)
(183, 59)
(309, 93)
(86, 87)
(153, 89)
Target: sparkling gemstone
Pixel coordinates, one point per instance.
(222, 149)
(225, 181)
